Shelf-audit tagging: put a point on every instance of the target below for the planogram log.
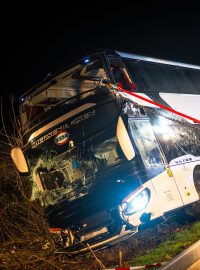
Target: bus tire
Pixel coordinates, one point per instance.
(196, 177)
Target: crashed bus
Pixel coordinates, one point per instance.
(104, 162)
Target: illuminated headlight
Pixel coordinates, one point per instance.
(136, 203)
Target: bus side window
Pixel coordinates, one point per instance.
(146, 142)
(121, 76)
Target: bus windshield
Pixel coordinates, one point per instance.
(70, 174)
(79, 81)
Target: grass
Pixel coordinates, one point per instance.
(176, 243)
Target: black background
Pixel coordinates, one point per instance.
(40, 40)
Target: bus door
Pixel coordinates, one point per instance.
(163, 183)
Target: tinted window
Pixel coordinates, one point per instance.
(155, 78)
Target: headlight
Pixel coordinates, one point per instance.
(136, 203)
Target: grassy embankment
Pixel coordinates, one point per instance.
(176, 243)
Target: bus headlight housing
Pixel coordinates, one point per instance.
(136, 203)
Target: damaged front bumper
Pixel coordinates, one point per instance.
(94, 233)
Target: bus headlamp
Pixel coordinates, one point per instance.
(137, 203)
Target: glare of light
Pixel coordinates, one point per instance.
(86, 60)
(161, 129)
(166, 137)
(163, 121)
(164, 128)
(138, 204)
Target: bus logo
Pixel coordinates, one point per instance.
(61, 138)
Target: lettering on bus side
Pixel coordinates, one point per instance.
(82, 117)
(183, 160)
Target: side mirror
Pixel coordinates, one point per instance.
(124, 140)
(20, 161)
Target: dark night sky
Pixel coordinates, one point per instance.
(40, 42)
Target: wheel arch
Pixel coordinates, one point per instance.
(196, 172)
(196, 178)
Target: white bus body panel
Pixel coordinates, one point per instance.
(184, 103)
(167, 192)
(164, 197)
(170, 193)
(182, 169)
(154, 207)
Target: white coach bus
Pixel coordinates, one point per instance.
(103, 161)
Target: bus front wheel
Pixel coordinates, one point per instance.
(196, 177)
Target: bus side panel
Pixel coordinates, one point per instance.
(167, 192)
(182, 169)
(164, 197)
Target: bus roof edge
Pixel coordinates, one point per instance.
(155, 60)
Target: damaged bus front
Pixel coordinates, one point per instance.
(97, 161)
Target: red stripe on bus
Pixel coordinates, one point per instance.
(160, 105)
